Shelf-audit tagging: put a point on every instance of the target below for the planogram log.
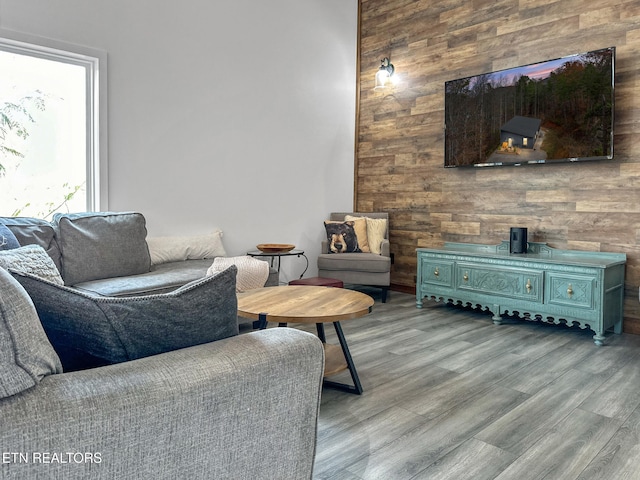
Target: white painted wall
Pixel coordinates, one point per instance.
(236, 114)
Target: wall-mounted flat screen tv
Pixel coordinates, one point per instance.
(555, 111)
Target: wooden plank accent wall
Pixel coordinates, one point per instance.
(400, 143)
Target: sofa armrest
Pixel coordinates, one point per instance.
(243, 407)
(385, 248)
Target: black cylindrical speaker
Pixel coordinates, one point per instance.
(518, 240)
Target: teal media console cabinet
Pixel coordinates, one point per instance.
(555, 286)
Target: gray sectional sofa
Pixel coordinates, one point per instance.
(106, 253)
(113, 366)
(243, 407)
(105, 302)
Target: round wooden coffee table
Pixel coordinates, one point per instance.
(311, 304)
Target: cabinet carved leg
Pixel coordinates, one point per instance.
(497, 318)
(598, 339)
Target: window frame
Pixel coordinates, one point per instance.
(95, 64)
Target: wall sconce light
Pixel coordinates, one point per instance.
(384, 73)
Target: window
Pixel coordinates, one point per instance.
(49, 130)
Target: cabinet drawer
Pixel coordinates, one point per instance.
(437, 272)
(503, 281)
(571, 290)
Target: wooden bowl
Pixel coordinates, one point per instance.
(275, 247)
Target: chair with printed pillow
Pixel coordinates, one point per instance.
(365, 261)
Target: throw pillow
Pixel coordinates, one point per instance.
(252, 272)
(7, 239)
(377, 232)
(26, 356)
(176, 249)
(360, 227)
(341, 237)
(102, 245)
(35, 231)
(89, 330)
(31, 259)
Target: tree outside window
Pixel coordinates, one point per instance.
(43, 136)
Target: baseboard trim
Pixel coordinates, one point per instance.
(394, 287)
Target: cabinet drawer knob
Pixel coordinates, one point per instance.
(436, 273)
(569, 290)
(528, 286)
(465, 277)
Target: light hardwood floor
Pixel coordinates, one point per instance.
(450, 395)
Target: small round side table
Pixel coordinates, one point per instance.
(295, 252)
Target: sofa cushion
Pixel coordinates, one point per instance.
(102, 245)
(31, 259)
(26, 356)
(35, 231)
(194, 247)
(163, 278)
(357, 262)
(89, 331)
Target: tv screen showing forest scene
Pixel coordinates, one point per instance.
(559, 110)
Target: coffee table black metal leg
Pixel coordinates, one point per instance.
(357, 386)
(320, 329)
(262, 321)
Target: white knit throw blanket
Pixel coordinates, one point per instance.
(252, 272)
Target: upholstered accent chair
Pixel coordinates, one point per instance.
(369, 268)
